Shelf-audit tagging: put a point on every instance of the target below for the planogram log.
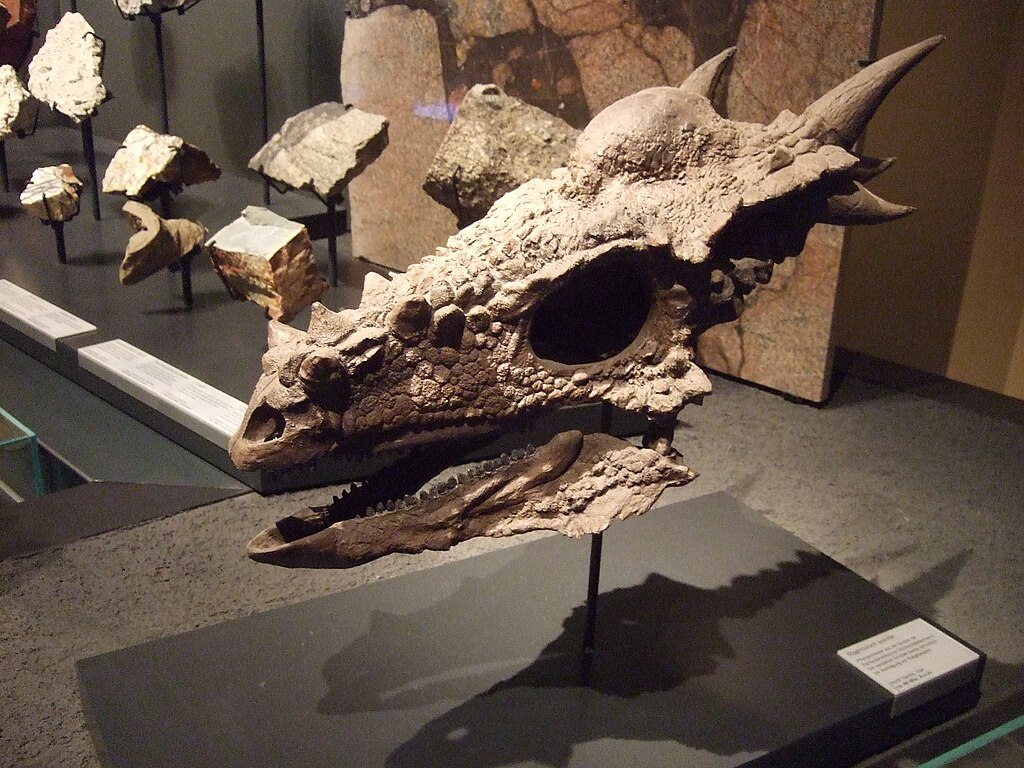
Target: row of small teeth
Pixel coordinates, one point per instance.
(443, 486)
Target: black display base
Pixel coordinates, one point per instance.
(716, 646)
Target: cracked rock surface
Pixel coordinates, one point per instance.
(496, 143)
(157, 242)
(17, 109)
(269, 260)
(149, 163)
(66, 72)
(323, 148)
(52, 193)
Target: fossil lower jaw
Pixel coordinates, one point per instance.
(575, 484)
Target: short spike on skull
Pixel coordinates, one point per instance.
(590, 286)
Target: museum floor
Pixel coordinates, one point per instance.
(914, 491)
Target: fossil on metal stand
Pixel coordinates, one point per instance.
(52, 196)
(322, 149)
(67, 74)
(590, 286)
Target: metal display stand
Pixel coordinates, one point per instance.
(328, 226)
(58, 233)
(158, 39)
(264, 96)
(590, 627)
(89, 150)
(5, 178)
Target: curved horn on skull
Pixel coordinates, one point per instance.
(704, 79)
(856, 204)
(840, 115)
(868, 167)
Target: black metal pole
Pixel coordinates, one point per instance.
(165, 204)
(186, 280)
(332, 239)
(261, 48)
(58, 233)
(74, 6)
(89, 148)
(158, 32)
(4, 178)
(590, 629)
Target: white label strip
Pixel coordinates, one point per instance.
(37, 318)
(916, 662)
(174, 393)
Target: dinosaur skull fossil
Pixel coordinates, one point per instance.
(589, 286)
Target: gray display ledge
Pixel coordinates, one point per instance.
(717, 644)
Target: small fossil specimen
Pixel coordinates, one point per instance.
(17, 107)
(149, 163)
(269, 260)
(496, 143)
(66, 73)
(157, 242)
(137, 7)
(322, 148)
(52, 193)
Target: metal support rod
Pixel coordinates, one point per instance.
(165, 204)
(186, 280)
(74, 6)
(158, 32)
(332, 239)
(58, 233)
(262, 52)
(590, 628)
(5, 179)
(89, 150)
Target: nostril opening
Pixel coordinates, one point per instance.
(264, 425)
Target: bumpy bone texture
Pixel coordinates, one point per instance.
(149, 163)
(66, 72)
(589, 286)
(17, 108)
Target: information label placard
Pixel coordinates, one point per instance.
(915, 662)
(169, 390)
(37, 318)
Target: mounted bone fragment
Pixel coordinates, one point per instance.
(66, 73)
(149, 164)
(140, 7)
(322, 149)
(17, 107)
(52, 194)
(269, 260)
(590, 286)
(157, 243)
(496, 143)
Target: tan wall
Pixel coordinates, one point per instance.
(988, 345)
(942, 290)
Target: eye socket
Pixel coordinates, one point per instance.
(594, 315)
(325, 378)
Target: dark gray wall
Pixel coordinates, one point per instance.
(213, 70)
